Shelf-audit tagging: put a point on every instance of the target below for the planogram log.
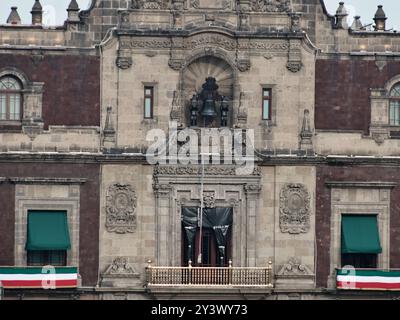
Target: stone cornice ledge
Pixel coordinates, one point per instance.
(2, 179)
(34, 180)
(360, 184)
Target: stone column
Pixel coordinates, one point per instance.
(163, 224)
(252, 192)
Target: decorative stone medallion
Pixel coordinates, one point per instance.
(121, 209)
(294, 209)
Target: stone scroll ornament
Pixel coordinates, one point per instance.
(294, 209)
(121, 209)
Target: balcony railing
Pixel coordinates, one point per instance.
(210, 276)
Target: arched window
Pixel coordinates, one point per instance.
(10, 98)
(394, 112)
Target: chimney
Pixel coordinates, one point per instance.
(341, 17)
(37, 13)
(73, 12)
(357, 25)
(14, 18)
(380, 19)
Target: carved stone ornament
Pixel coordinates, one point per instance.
(196, 170)
(124, 62)
(379, 138)
(149, 4)
(176, 64)
(242, 112)
(216, 4)
(121, 209)
(209, 199)
(243, 65)
(306, 133)
(295, 22)
(37, 57)
(294, 66)
(294, 209)
(120, 266)
(294, 268)
(120, 274)
(32, 131)
(270, 5)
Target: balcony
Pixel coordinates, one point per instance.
(217, 277)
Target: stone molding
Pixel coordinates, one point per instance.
(39, 180)
(361, 184)
(294, 217)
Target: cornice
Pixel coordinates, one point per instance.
(358, 184)
(36, 180)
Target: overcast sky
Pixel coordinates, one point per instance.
(56, 10)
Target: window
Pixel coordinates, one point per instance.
(10, 98)
(214, 243)
(360, 241)
(266, 104)
(47, 238)
(394, 113)
(148, 102)
(47, 257)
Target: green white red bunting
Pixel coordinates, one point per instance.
(38, 277)
(351, 279)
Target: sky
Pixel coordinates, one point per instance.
(55, 10)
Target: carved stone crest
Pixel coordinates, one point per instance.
(121, 208)
(294, 209)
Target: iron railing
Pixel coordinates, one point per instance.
(210, 276)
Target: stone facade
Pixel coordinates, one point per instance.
(326, 149)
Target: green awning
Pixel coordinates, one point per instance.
(48, 230)
(360, 234)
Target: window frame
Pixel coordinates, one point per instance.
(8, 93)
(151, 97)
(45, 257)
(357, 260)
(269, 99)
(393, 99)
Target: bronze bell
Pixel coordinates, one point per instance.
(209, 107)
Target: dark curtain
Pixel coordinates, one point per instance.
(218, 219)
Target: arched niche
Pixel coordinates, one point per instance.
(194, 75)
